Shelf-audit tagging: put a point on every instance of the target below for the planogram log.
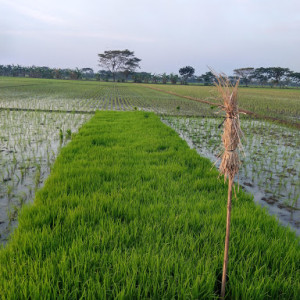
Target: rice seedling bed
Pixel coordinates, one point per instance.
(29, 144)
(129, 211)
(270, 162)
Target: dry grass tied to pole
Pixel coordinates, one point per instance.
(232, 132)
(230, 160)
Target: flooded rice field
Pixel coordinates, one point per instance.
(29, 144)
(270, 158)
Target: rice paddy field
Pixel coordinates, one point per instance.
(115, 204)
(281, 104)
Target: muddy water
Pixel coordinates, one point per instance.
(29, 144)
(270, 161)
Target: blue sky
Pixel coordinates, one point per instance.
(165, 34)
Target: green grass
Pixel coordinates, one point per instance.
(130, 212)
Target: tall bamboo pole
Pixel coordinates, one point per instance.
(225, 262)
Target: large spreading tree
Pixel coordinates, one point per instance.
(245, 74)
(276, 74)
(119, 61)
(186, 73)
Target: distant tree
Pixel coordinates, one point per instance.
(245, 74)
(131, 65)
(186, 72)
(174, 78)
(15, 70)
(140, 77)
(18, 71)
(295, 77)
(208, 78)
(277, 73)
(118, 61)
(199, 79)
(46, 72)
(126, 74)
(57, 73)
(87, 73)
(232, 79)
(75, 74)
(261, 75)
(97, 76)
(164, 78)
(104, 75)
(147, 78)
(155, 78)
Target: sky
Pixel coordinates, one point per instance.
(165, 34)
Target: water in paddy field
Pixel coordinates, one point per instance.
(270, 168)
(29, 144)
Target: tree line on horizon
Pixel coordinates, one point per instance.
(271, 76)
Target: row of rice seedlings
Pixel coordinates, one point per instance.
(270, 163)
(118, 99)
(283, 105)
(92, 97)
(127, 100)
(134, 102)
(30, 142)
(48, 101)
(101, 100)
(104, 102)
(278, 103)
(150, 100)
(57, 95)
(278, 172)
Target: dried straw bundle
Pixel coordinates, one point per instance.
(232, 132)
(230, 160)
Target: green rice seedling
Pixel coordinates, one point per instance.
(10, 215)
(18, 178)
(22, 198)
(61, 136)
(9, 190)
(68, 133)
(37, 176)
